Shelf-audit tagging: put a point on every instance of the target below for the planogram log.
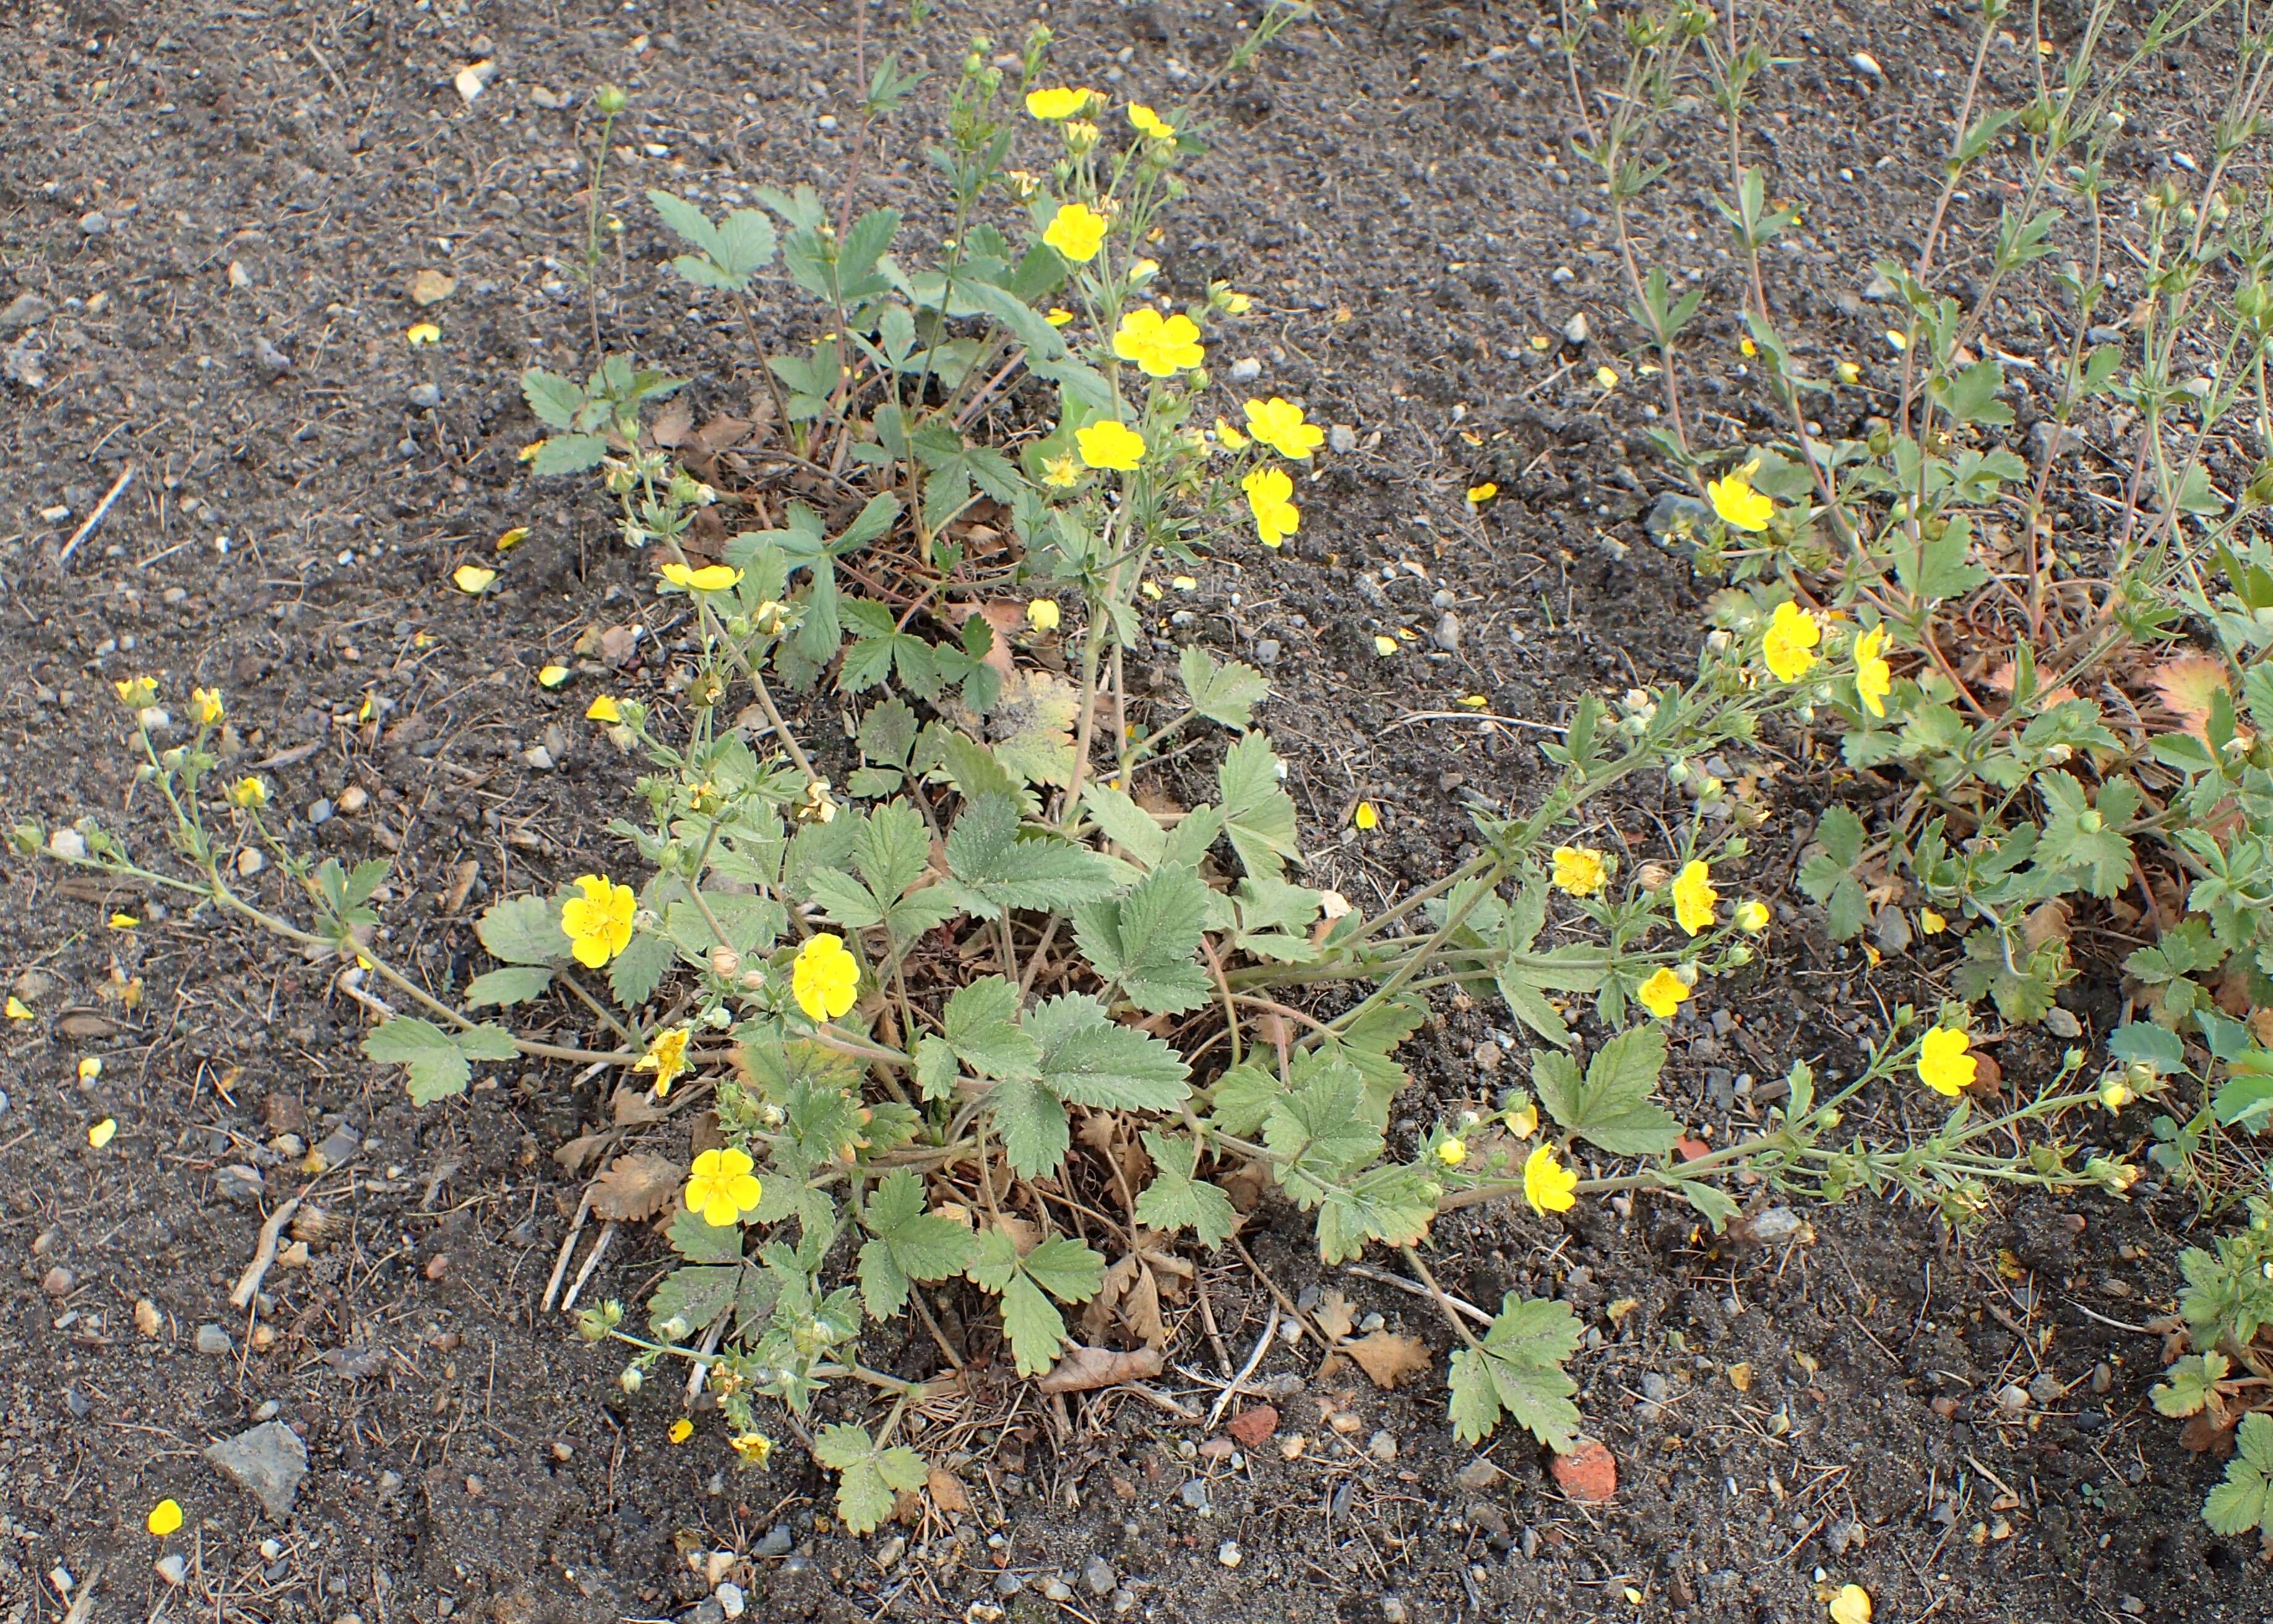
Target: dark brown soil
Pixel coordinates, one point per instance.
(191, 192)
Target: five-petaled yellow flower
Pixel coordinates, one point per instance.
(205, 707)
(1162, 346)
(1874, 679)
(1150, 123)
(1751, 916)
(1110, 443)
(1043, 614)
(1452, 1152)
(1580, 870)
(1788, 646)
(825, 978)
(249, 792)
(136, 693)
(1279, 424)
(1270, 499)
(604, 709)
(1663, 992)
(1076, 231)
(709, 578)
(721, 1186)
(666, 1056)
(1693, 896)
(1547, 1184)
(165, 1518)
(1062, 101)
(1943, 1065)
(598, 924)
(1740, 507)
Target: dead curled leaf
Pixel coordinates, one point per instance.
(945, 1490)
(1389, 1357)
(1084, 1369)
(635, 1187)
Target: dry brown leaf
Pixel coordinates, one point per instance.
(635, 1187)
(581, 1152)
(1142, 1311)
(432, 287)
(630, 1107)
(1334, 1316)
(706, 1135)
(672, 424)
(1388, 1357)
(945, 1490)
(1085, 1368)
(2185, 683)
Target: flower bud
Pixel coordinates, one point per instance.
(725, 961)
(1653, 876)
(631, 1380)
(1081, 136)
(611, 100)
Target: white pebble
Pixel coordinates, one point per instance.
(1228, 1553)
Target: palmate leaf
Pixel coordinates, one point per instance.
(439, 1062)
(1142, 943)
(1059, 1267)
(1517, 1369)
(1321, 1132)
(1175, 1200)
(2240, 1503)
(1221, 690)
(1393, 1205)
(1258, 814)
(993, 867)
(868, 1478)
(1610, 1106)
(910, 1244)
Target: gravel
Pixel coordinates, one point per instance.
(269, 1462)
(1098, 1574)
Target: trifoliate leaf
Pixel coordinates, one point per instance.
(1058, 1267)
(1125, 823)
(2188, 1386)
(524, 930)
(993, 867)
(1519, 1369)
(1393, 1205)
(982, 1021)
(1177, 1200)
(1258, 814)
(910, 1243)
(1225, 691)
(437, 1068)
(634, 973)
(515, 984)
(1611, 1106)
(1089, 1060)
(1241, 1099)
(1142, 943)
(868, 1478)
(1321, 1132)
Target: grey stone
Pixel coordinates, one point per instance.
(1341, 439)
(26, 364)
(25, 310)
(320, 812)
(1478, 1475)
(1055, 1589)
(1008, 1583)
(2047, 1388)
(1576, 331)
(273, 362)
(211, 1339)
(94, 222)
(2104, 336)
(1124, 1602)
(239, 1182)
(1267, 651)
(1891, 931)
(174, 1570)
(1246, 370)
(777, 1541)
(1195, 1494)
(889, 1554)
(707, 1611)
(1447, 634)
(425, 396)
(1393, 1611)
(1382, 1446)
(1778, 1223)
(269, 1460)
(1880, 288)
(1098, 1574)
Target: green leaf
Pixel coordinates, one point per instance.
(1241, 1101)
(1125, 823)
(1611, 1106)
(1142, 943)
(1058, 1267)
(2189, 1384)
(1393, 1205)
(555, 400)
(487, 1042)
(1258, 814)
(695, 1294)
(1177, 1200)
(910, 1243)
(993, 867)
(1089, 1060)
(699, 1241)
(2239, 1503)
(439, 1061)
(982, 1030)
(1518, 1369)
(634, 973)
(568, 454)
(524, 930)
(1222, 691)
(1032, 1123)
(515, 985)
(870, 1479)
(1321, 1132)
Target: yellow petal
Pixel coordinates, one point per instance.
(123, 921)
(472, 579)
(682, 1430)
(1481, 493)
(165, 1517)
(1365, 816)
(513, 538)
(418, 333)
(103, 1133)
(604, 709)
(552, 676)
(18, 1009)
(1384, 646)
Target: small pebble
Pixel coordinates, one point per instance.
(320, 812)
(889, 1554)
(1008, 1583)
(1393, 1611)
(1195, 1495)
(777, 1541)
(1382, 1446)
(425, 396)
(1055, 1589)
(173, 1569)
(730, 1600)
(94, 222)
(1098, 1575)
(1228, 1554)
(1246, 370)
(58, 1281)
(2012, 1396)
(211, 1339)
(249, 862)
(1576, 331)
(1341, 439)
(1867, 65)
(352, 800)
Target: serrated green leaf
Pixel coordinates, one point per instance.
(1089, 1060)
(981, 1026)
(524, 930)
(516, 984)
(1393, 1205)
(634, 973)
(870, 1479)
(2239, 1503)
(1241, 1100)
(1611, 1105)
(844, 899)
(568, 454)
(1321, 1133)
(1222, 691)
(486, 1041)
(2188, 1385)
(1258, 814)
(993, 867)
(936, 1071)
(1142, 943)
(695, 1295)
(1032, 1123)
(1175, 1200)
(553, 399)
(1125, 823)
(910, 1244)
(699, 1241)
(1058, 1267)
(1518, 1369)
(438, 1067)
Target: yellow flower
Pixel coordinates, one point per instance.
(1054, 104)
(1043, 614)
(709, 578)
(1229, 438)
(1851, 1606)
(1693, 896)
(1663, 992)
(1080, 135)
(552, 676)
(1546, 1183)
(1740, 507)
(1479, 494)
(721, 1186)
(1874, 679)
(123, 921)
(2115, 1093)
(682, 1430)
(1384, 646)
(1751, 916)
(1059, 316)
(1150, 123)
(90, 1067)
(1523, 1121)
(598, 924)
(1060, 470)
(1745, 347)
(18, 1009)
(1365, 817)
(1580, 870)
(825, 978)
(604, 709)
(754, 1447)
(165, 1517)
(423, 333)
(666, 1057)
(103, 1133)
(249, 792)
(1605, 379)
(205, 707)
(1452, 1152)
(1269, 498)
(135, 693)
(1076, 231)
(816, 805)
(1162, 346)
(1931, 922)
(472, 579)
(1943, 1065)
(1110, 443)
(1849, 373)
(1279, 424)
(1789, 648)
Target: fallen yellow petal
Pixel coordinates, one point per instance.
(123, 921)
(472, 579)
(604, 709)
(513, 538)
(165, 1517)
(552, 676)
(18, 1009)
(1384, 646)
(103, 1133)
(1365, 816)
(418, 333)
(682, 1430)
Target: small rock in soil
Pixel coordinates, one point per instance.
(1867, 65)
(1124, 1601)
(1778, 1223)
(1477, 1475)
(1393, 1611)
(1251, 1426)
(1267, 651)
(25, 310)
(173, 1570)
(1008, 1583)
(1228, 1554)
(273, 362)
(1098, 1574)
(776, 1542)
(94, 222)
(58, 1281)
(1587, 1473)
(1382, 1446)
(425, 396)
(269, 1460)
(1055, 1589)
(889, 1554)
(730, 1600)
(1341, 439)
(211, 1339)
(707, 1611)
(2047, 1388)
(2012, 1396)
(1195, 1494)
(1246, 370)
(1576, 331)
(1447, 634)
(240, 1183)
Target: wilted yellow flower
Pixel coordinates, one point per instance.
(1061, 470)
(1751, 916)
(815, 804)
(423, 333)
(513, 538)
(1694, 895)
(666, 1056)
(1451, 1152)
(249, 792)
(1384, 646)
(205, 706)
(1057, 103)
(1663, 992)
(1788, 646)
(1232, 303)
(1080, 135)
(552, 676)
(604, 709)
(709, 578)
(165, 1518)
(2115, 1093)
(755, 1447)
(1943, 1065)
(136, 693)
(1931, 922)
(1043, 614)
(1161, 346)
(1365, 817)
(598, 924)
(1110, 443)
(1150, 124)
(1280, 423)
(1229, 438)
(1874, 679)
(472, 579)
(1580, 870)
(1547, 1184)
(825, 979)
(1270, 499)
(721, 1186)
(1076, 231)
(1740, 507)
(1479, 494)
(103, 1133)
